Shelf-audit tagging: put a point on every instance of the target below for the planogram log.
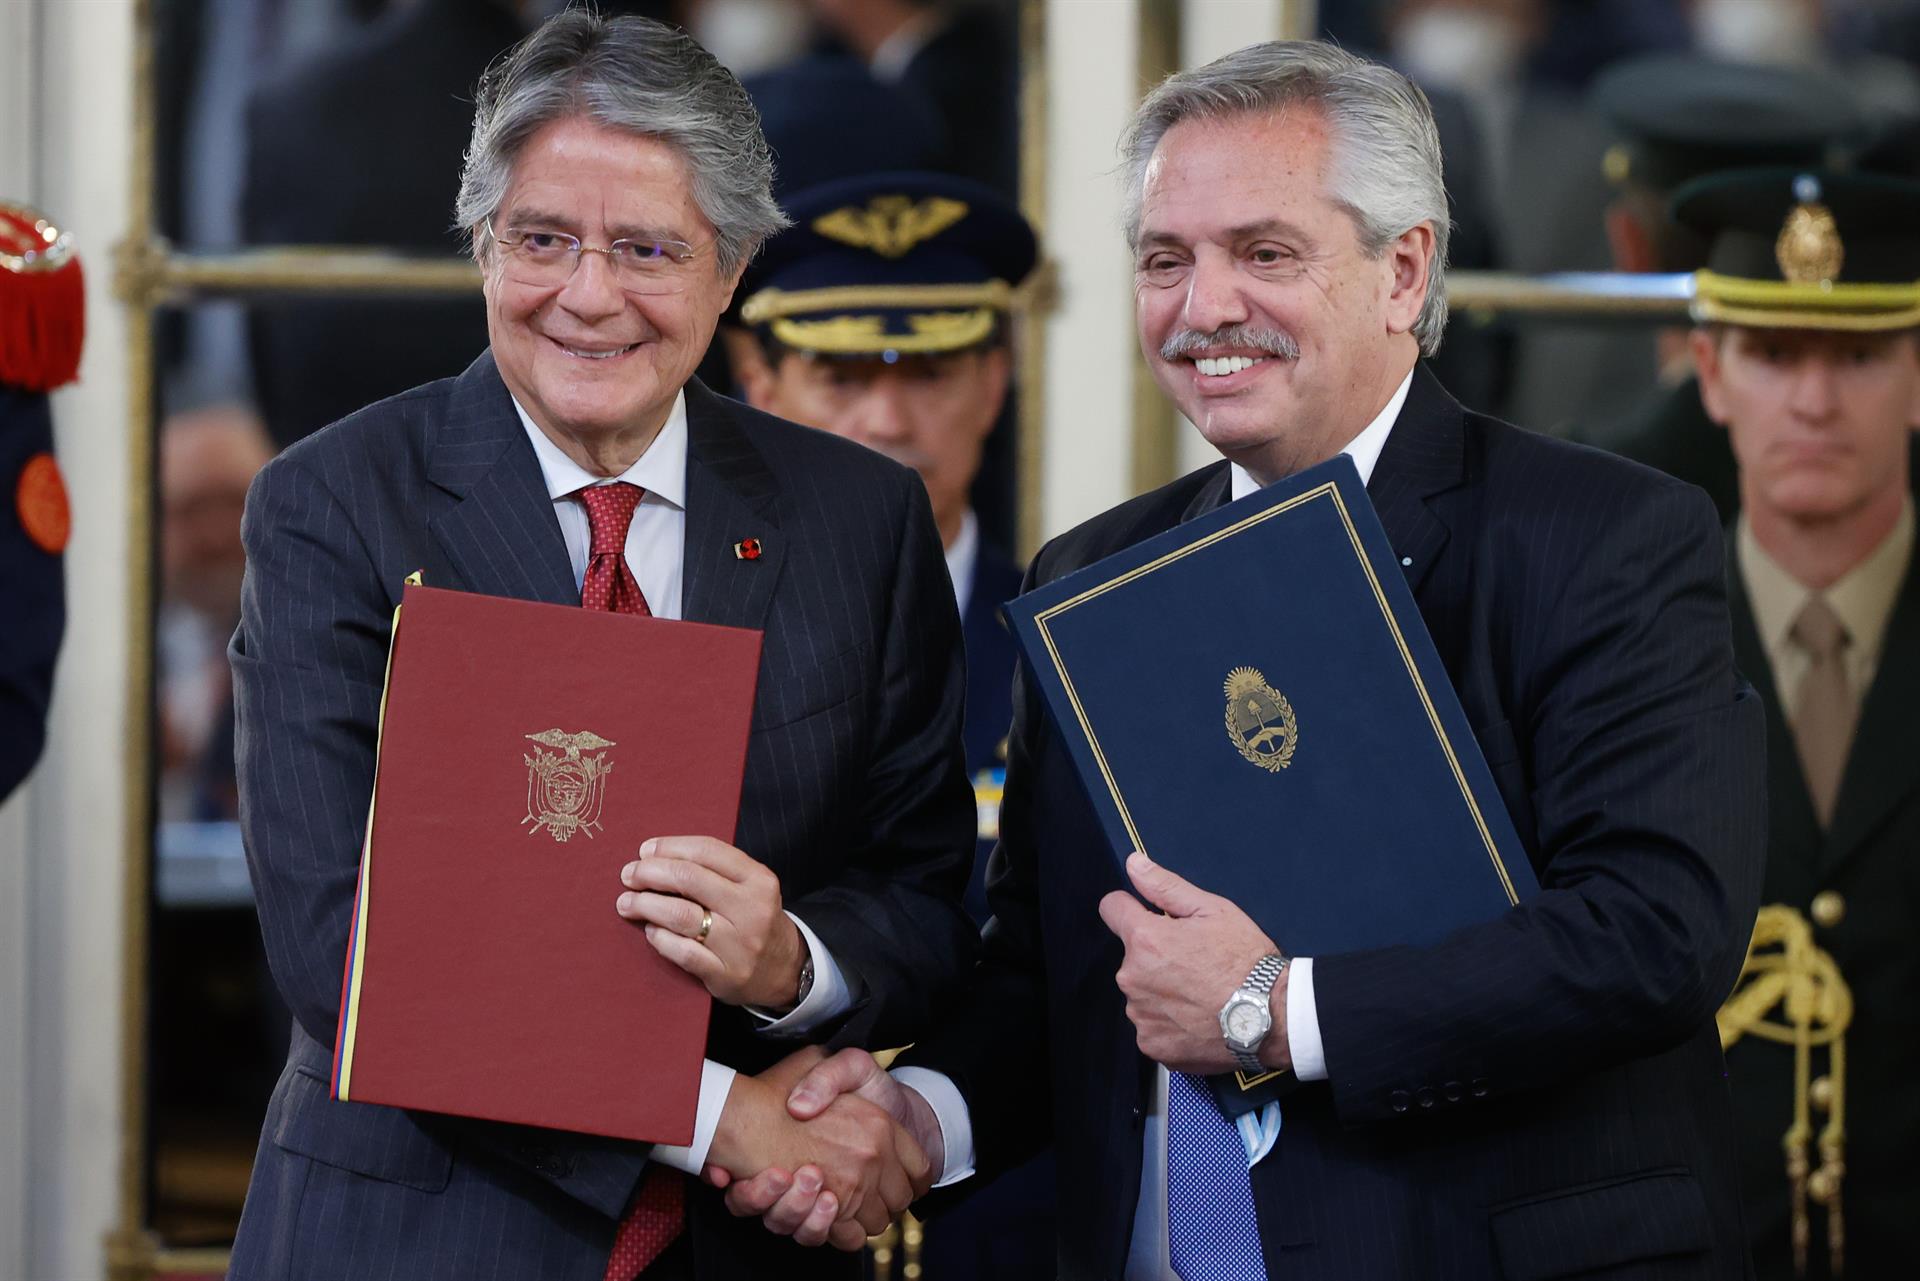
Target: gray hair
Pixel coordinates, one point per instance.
(1385, 164)
(642, 78)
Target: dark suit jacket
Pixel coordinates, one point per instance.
(1871, 857)
(854, 794)
(990, 660)
(1538, 1097)
(361, 146)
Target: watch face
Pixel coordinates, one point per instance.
(1246, 1022)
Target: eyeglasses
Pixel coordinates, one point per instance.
(536, 256)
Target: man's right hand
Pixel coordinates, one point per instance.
(853, 1165)
(801, 1204)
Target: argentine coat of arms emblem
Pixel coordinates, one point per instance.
(566, 787)
(1260, 720)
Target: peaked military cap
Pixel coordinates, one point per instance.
(1806, 249)
(889, 265)
(1681, 116)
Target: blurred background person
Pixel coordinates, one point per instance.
(881, 315)
(208, 457)
(1679, 117)
(338, 152)
(1809, 356)
(960, 56)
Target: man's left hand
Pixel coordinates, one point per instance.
(1181, 967)
(752, 951)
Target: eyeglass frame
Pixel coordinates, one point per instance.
(580, 248)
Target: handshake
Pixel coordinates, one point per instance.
(824, 1149)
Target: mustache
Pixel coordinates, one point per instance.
(1184, 342)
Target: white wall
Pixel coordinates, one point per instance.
(65, 70)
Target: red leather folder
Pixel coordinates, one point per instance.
(526, 751)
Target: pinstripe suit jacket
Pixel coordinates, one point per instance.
(855, 794)
(1542, 1096)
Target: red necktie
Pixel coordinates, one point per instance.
(658, 1213)
(609, 585)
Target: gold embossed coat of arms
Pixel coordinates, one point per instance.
(1260, 721)
(566, 787)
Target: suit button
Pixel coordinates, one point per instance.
(1397, 1100)
(1424, 1096)
(1480, 1087)
(1829, 909)
(1454, 1091)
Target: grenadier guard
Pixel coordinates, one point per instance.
(1808, 348)
(42, 319)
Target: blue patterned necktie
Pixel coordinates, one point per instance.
(1212, 1231)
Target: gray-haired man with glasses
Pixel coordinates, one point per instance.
(615, 186)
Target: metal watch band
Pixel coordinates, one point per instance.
(1259, 982)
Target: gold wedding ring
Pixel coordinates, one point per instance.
(706, 925)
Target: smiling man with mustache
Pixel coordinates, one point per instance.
(1540, 1096)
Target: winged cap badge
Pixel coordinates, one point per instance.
(566, 787)
(1260, 721)
(891, 225)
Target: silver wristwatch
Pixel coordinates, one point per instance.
(1246, 1018)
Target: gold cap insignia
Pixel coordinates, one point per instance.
(890, 225)
(1260, 721)
(1809, 249)
(565, 787)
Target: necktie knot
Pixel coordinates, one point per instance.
(610, 511)
(1818, 630)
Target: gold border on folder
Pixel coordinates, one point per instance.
(1045, 617)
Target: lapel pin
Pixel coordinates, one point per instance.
(747, 549)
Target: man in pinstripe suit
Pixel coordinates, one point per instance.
(1541, 1096)
(616, 184)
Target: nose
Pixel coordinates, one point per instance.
(1814, 395)
(593, 291)
(1214, 299)
(883, 416)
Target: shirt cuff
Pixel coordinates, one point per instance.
(950, 1110)
(1303, 1023)
(829, 998)
(716, 1080)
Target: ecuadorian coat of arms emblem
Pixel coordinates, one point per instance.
(566, 787)
(1260, 721)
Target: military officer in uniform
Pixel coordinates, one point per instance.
(1808, 351)
(881, 315)
(41, 320)
(1679, 117)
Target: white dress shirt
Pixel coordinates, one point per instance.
(1147, 1252)
(656, 552)
(962, 557)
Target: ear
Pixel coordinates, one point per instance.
(1409, 256)
(1628, 240)
(749, 362)
(1704, 343)
(732, 284)
(997, 364)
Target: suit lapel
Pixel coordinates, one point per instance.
(1882, 769)
(501, 537)
(1795, 828)
(732, 495)
(1425, 455)
(1215, 492)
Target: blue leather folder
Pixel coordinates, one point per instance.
(1253, 700)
